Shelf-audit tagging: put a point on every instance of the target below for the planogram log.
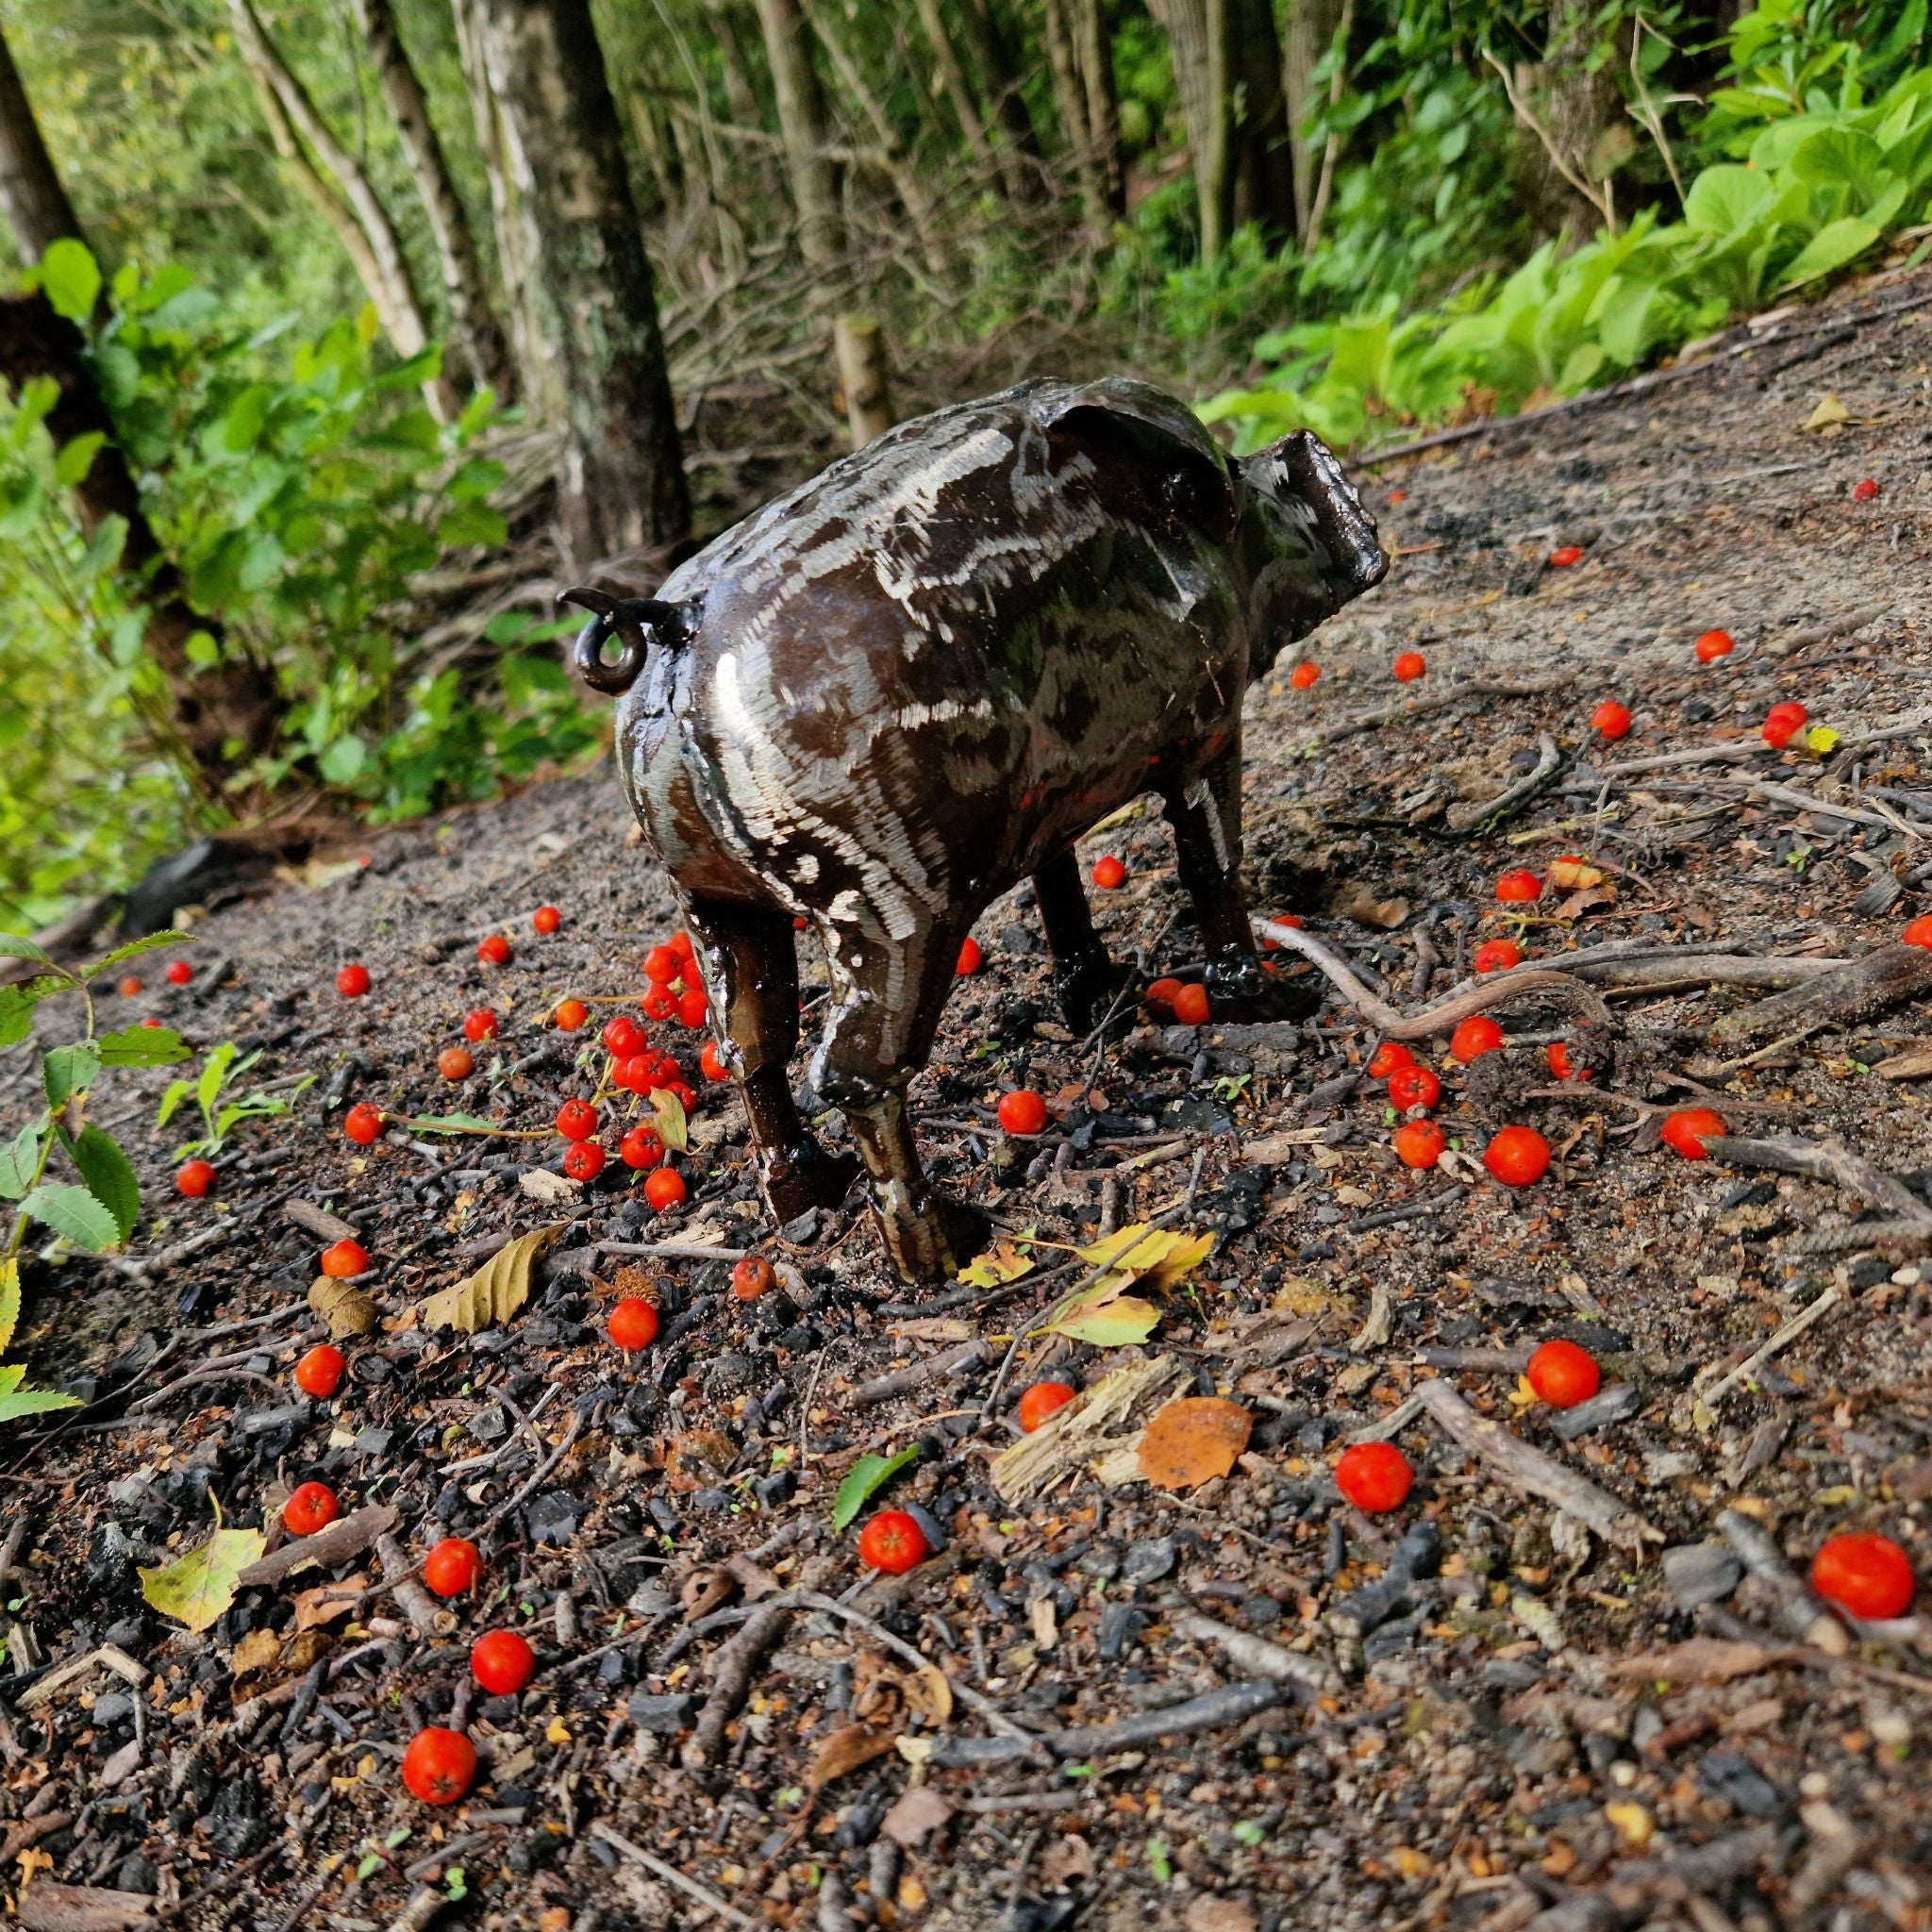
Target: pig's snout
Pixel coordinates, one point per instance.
(1346, 529)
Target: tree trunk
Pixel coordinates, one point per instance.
(1264, 191)
(1070, 99)
(31, 195)
(860, 345)
(620, 485)
(1574, 107)
(953, 80)
(1311, 26)
(1198, 34)
(740, 96)
(1017, 144)
(472, 319)
(1093, 50)
(395, 297)
(802, 121)
(650, 138)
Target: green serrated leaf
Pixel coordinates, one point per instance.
(19, 1402)
(20, 1161)
(72, 1212)
(109, 1176)
(133, 949)
(70, 1070)
(864, 1479)
(142, 1046)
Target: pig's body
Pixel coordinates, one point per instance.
(917, 679)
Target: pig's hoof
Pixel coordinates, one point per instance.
(809, 1177)
(1088, 988)
(1283, 997)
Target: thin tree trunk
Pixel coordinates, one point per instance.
(802, 121)
(1311, 33)
(953, 80)
(1264, 173)
(31, 195)
(395, 295)
(621, 483)
(1020, 144)
(1093, 49)
(650, 138)
(860, 345)
(1331, 148)
(1574, 105)
(1198, 34)
(472, 319)
(740, 96)
(1070, 99)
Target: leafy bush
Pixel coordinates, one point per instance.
(1818, 187)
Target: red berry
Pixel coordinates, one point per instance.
(495, 951)
(892, 1542)
(362, 1123)
(1918, 932)
(576, 1120)
(584, 1161)
(665, 1189)
(694, 1009)
(1374, 1476)
(1517, 1156)
(480, 1024)
(311, 1508)
(1714, 644)
(623, 1038)
(1387, 1057)
(502, 1663)
(1865, 489)
(130, 987)
(179, 972)
(660, 1002)
(1420, 1143)
(1304, 675)
(352, 982)
(1043, 1400)
(1558, 1054)
(712, 1062)
(1410, 666)
(570, 1014)
(1497, 956)
(1519, 886)
(454, 1566)
(1109, 875)
(150, 1022)
(661, 964)
(1021, 1111)
(1565, 1375)
(1868, 1575)
(681, 945)
(194, 1178)
(546, 919)
(456, 1063)
(320, 1371)
(1610, 720)
(1190, 1007)
(1782, 724)
(1474, 1038)
(440, 1766)
(343, 1259)
(1413, 1087)
(1564, 555)
(633, 1324)
(1690, 1127)
(641, 1147)
(971, 958)
(752, 1277)
(1164, 992)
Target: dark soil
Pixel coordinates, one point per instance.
(1470, 1753)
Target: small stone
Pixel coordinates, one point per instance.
(1221, 1915)
(662, 1716)
(1121, 1624)
(1732, 1777)
(112, 1708)
(716, 1501)
(1616, 1404)
(236, 1827)
(1701, 1574)
(1149, 1561)
(135, 1874)
(775, 1489)
(490, 1423)
(374, 1441)
(552, 1518)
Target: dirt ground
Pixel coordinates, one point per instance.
(1481, 1710)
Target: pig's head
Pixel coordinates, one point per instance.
(1303, 541)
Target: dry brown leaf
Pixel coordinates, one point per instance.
(846, 1749)
(917, 1812)
(344, 1307)
(257, 1652)
(668, 1120)
(1829, 413)
(328, 1602)
(1193, 1441)
(497, 1290)
(699, 1460)
(1577, 903)
(930, 1693)
(262, 1659)
(1385, 915)
(1572, 874)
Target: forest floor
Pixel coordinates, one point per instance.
(1621, 1711)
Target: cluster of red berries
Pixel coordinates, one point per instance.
(1187, 1000)
(677, 988)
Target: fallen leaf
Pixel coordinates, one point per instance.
(540, 1184)
(344, 1307)
(1193, 1441)
(328, 1602)
(699, 1460)
(916, 1813)
(1632, 1820)
(1830, 412)
(1569, 874)
(497, 1290)
(1577, 903)
(262, 1659)
(864, 1479)
(196, 1589)
(669, 1120)
(1384, 915)
(1001, 1263)
(1157, 1258)
(846, 1749)
(257, 1652)
(929, 1693)
(1106, 1317)
(1821, 738)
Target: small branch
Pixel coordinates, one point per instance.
(1785, 1336)
(700, 1894)
(932, 1368)
(1845, 993)
(1212, 1712)
(731, 1672)
(1468, 815)
(1258, 1655)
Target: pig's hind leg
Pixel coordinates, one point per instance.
(1085, 978)
(751, 958)
(1205, 814)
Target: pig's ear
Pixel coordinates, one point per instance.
(1152, 459)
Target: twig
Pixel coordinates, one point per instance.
(1785, 1336)
(689, 1251)
(731, 1675)
(1469, 814)
(317, 1221)
(933, 1368)
(701, 1894)
(1212, 1712)
(1257, 1656)
(1798, 1611)
(1825, 1160)
(1848, 992)
(414, 1602)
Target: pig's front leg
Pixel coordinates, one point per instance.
(1086, 980)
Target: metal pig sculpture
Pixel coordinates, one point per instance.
(918, 679)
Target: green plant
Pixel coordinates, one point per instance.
(100, 1210)
(220, 1115)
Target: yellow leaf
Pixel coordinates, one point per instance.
(344, 1307)
(1829, 411)
(197, 1588)
(1632, 1820)
(669, 1123)
(10, 1298)
(1821, 738)
(1569, 874)
(1106, 1316)
(1160, 1255)
(1001, 1263)
(558, 1732)
(497, 1290)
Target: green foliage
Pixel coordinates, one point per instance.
(16, 1399)
(220, 1110)
(864, 1480)
(1816, 190)
(100, 1210)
